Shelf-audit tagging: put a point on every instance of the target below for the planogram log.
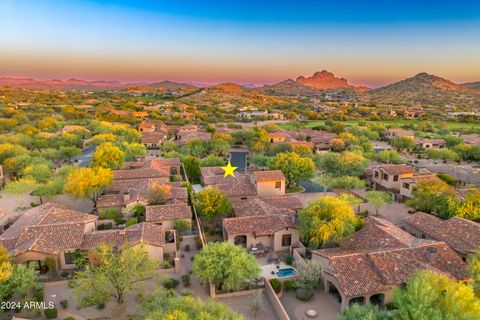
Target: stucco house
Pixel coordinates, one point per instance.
(271, 222)
(424, 143)
(153, 139)
(166, 215)
(392, 133)
(409, 183)
(123, 195)
(268, 183)
(278, 137)
(369, 265)
(53, 231)
(460, 234)
(389, 176)
(245, 186)
(152, 168)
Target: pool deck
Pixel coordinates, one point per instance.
(268, 268)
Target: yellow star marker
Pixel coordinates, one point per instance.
(229, 170)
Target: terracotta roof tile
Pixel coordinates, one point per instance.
(269, 175)
(461, 234)
(168, 212)
(381, 256)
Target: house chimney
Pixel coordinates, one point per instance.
(126, 196)
(431, 254)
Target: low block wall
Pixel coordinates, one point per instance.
(275, 301)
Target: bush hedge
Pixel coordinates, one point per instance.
(51, 313)
(276, 285)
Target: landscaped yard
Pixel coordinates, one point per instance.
(322, 302)
(314, 123)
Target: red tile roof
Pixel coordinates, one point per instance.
(49, 228)
(381, 256)
(269, 175)
(168, 212)
(396, 169)
(461, 234)
(144, 232)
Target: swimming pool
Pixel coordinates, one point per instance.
(287, 272)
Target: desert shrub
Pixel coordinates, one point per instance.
(170, 283)
(289, 285)
(186, 280)
(131, 222)
(64, 304)
(69, 318)
(276, 285)
(288, 259)
(186, 292)
(50, 313)
(187, 248)
(304, 295)
(100, 306)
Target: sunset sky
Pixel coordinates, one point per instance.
(367, 42)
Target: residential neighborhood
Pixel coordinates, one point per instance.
(239, 160)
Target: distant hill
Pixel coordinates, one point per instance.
(472, 85)
(55, 84)
(227, 88)
(288, 88)
(325, 80)
(76, 84)
(170, 85)
(319, 82)
(427, 89)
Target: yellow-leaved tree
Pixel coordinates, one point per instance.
(88, 182)
(469, 208)
(328, 219)
(108, 156)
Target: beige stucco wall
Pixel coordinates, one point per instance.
(267, 189)
(277, 241)
(154, 252)
(389, 183)
(407, 192)
(168, 224)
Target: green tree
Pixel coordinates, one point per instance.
(326, 219)
(429, 295)
(192, 168)
(88, 182)
(343, 164)
(389, 156)
(378, 199)
(111, 274)
(212, 203)
(164, 305)
(225, 265)
(133, 150)
(70, 152)
(433, 196)
(402, 143)
(212, 161)
(108, 156)
(196, 148)
(469, 208)
(442, 154)
(364, 312)
(15, 278)
(294, 167)
(474, 271)
(308, 277)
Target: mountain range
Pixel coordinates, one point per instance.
(422, 88)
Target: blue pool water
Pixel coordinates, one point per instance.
(287, 272)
